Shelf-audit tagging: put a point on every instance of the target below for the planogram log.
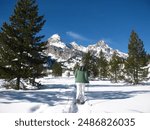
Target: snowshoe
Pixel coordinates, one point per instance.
(78, 101)
(82, 102)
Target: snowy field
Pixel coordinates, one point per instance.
(58, 94)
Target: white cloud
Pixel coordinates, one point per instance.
(77, 36)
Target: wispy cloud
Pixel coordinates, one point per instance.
(77, 36)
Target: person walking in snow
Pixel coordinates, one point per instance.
(81, 78)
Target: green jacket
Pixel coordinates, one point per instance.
(81, 75)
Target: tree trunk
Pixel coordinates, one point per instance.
(33, 81)
(137, 75)
(134, 76)
(18, 83)
(115, 76)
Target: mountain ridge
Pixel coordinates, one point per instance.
(63, 52)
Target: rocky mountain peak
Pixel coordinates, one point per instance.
(71, 53)
(54, 38)
(102, 44)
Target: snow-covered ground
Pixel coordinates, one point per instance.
(58, 94)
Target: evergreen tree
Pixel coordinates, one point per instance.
(148, 57)
(21, 47)
(94, 68)
(102, 66)
(116, 66)
(87, 60)
(90, 64)
(137, 60)
(57, 69)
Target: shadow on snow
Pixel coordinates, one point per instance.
(111, 95)
(51, 98)
(59, 93)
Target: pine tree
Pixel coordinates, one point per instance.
(148, 57)
(116, 66)
(87, 60)
(137, 60)
(21, 47)
(90, 64)
(57, 69)
(94, 68)
(102, 66)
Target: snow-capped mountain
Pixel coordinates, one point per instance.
(78, 47)
(62, 52)
(71, 53)
(55, 40)
(108, 51)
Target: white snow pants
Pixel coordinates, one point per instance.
(80, 90)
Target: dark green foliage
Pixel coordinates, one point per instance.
(90, 64)
(21, 48)
(102, 66)
(116, 66)
(94, 69)
(57, 69)
(137, 60)
(148, 57)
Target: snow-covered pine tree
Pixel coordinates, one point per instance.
(102, 66)
(116, 66)
(137, 60)
(21, 51)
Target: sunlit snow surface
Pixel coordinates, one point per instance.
(57, 96)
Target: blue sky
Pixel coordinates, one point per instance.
(88, 21)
